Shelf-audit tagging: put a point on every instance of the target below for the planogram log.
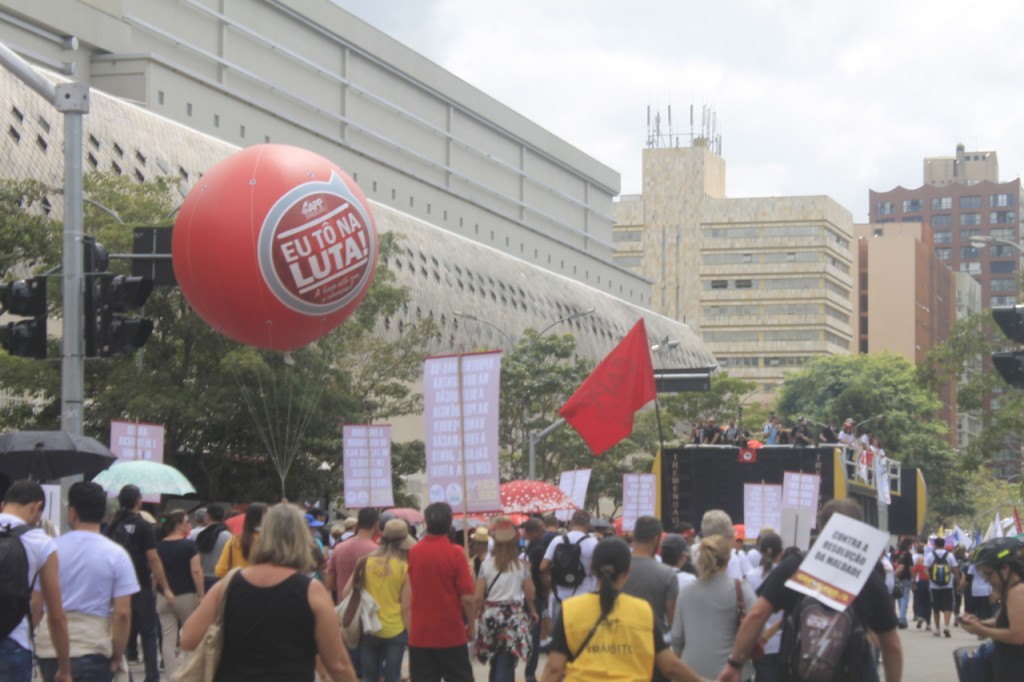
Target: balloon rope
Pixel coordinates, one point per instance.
(261, 429)
(306, 416)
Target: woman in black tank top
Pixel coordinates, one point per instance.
(1002, 565)
(276, 619)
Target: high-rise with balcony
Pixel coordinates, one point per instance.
(962, 198)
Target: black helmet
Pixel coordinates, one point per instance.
(996, 552)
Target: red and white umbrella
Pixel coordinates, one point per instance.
(533, 497)
(413, 516)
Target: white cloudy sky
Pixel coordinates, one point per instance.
(812, 97)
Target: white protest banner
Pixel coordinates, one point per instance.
(840, 561)
(367, 466)
(574, 484)
(638, 493)
(800, 491)
(882, 477)
(130, 441)
(462, 430)
(762, 506)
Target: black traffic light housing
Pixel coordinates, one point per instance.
(25, 298)
(108, 331)
(1010, 364)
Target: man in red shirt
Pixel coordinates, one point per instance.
(343, 562)
(443, 610)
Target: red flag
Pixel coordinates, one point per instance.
(602, 408)
(1016, 519)
(747, 455)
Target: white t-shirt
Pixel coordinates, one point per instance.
(38, 547)
(739, 565)
(754, 557)
(979, 586)
(94, 570)
(929, 560)
(684, 578)
(508, 586)
(586, 556)
(754, 578)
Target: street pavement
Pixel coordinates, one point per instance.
(925, 658)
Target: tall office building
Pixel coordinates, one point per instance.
(766, 281)
(962, 198)
(906, 299)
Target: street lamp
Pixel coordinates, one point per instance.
(531, 438)
(869, 419)
(979, 241)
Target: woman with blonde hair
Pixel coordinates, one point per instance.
(384, 574)
(502, 585)
(713, 603)
(236, 551)
(277, 620)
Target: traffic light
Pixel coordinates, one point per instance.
(1010, 364)
(25, 298)
(108, 331)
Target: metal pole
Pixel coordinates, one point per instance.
(536, 438)
(72, 99)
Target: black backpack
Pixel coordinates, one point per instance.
(118, 532)
(15, 589)
(567, 564)
(820, 644)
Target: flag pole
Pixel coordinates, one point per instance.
(657, 418)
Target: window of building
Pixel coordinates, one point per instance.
(1002, 217)
(1002, 251)
(744, 284)
(941, 220)
(1000, 200)
(1001, 300)
(970, 202)
(912, 205)
(1002, 284)
(943, 254)
(944, 237)
(968, 252)
(719, 284)
(966, 235)
(970, 219)
(883, 208)
(160, 96)
(627, 236)
(1009, 233)
(188, 108)
(836, 340)
(1001, 267)
(971, 267)
(942, 203)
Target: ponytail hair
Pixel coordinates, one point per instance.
(715, 553)
(610, 562)
(770, 546)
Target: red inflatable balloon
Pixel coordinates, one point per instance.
(275, 246)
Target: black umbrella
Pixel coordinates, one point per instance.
(49, 455)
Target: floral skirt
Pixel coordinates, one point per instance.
(502, 625)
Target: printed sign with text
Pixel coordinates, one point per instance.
(638, 498)
(130, 441)
(367, 466)
(462, 430)
(762, 506)
(574, 484)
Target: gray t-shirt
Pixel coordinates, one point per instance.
(209, 561)
(705, 624)
(655, 583)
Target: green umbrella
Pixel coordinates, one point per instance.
(151, 477)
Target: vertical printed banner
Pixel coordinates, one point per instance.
(574, 484)
(131, 441)
(800, 491)
(762, 507)
(638, 495)
(367, 466)
(462, 430)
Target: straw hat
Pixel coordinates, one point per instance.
(480, 534)
(397, 530)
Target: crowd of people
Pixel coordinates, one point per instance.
(692, 604)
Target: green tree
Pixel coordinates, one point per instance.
(240, 421)
(883, 388)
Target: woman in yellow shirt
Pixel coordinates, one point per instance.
(236, 551)
(385, 576)
(610, 636)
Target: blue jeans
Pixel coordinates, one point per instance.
(904, 600)
(503, 666)
(382, 656)
(91, 668)
(15, 662)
